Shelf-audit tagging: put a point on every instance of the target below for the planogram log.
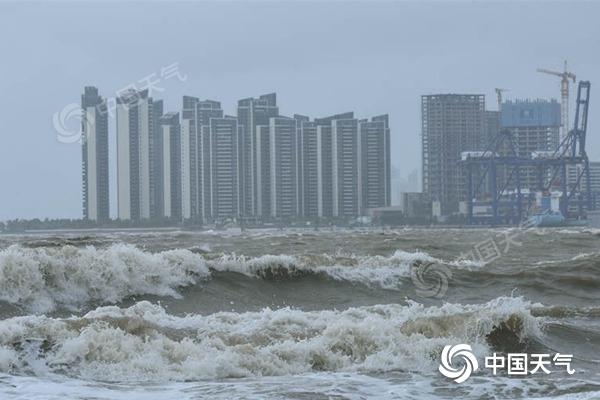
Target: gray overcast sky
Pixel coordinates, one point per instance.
(320, 57)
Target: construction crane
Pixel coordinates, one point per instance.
(492, 173)
(564, 94)
(499, 93)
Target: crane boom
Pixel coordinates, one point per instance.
(547, 71)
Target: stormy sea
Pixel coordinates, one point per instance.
(297, 314)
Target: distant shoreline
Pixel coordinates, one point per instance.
(238, 230)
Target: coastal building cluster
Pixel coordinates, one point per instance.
(457, 124)
(201, 165)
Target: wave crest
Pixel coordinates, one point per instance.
(144, 343)
(42, 278)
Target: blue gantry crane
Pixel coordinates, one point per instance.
(495, 195)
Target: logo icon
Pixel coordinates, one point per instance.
(431, 279)
(469, 362)
(64, 121)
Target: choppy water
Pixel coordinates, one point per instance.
(295, 315)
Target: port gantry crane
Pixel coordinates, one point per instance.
(564, 95)
(505, 207)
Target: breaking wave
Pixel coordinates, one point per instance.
(44, 278)
(145, 343)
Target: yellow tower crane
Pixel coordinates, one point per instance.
(564, 94)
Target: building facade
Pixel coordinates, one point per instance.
(95, 156)
(374, 163)
(346, 166)
(252, 113)
(309, 167)
(170, 174)
(595, 179)
(451, 124)
(223, 196)
(190, 168)
(284, 168)
(135, 156)
(201, 166)
(535, 127)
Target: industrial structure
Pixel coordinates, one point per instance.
(497, 191)
(499, 94)
(564, 95)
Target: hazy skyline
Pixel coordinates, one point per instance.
(321, 58)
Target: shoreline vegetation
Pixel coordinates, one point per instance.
(37, 226)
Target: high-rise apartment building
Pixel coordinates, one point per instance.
(170, 162)
(451, 124)
(308, 167)
(576, 173)
(156, 151)
(535, 127)
(251, 113)
(224, 141)
(205, 111)
(595, 179)
(325, 169)
(135, 156)
(208, 167)
(95, 156)
(345, 167)
(374, 163)
(262, 171)
(190, 190)
(284, 167)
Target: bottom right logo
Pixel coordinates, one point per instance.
(514, 363)
(469, 364)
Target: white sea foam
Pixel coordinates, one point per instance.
(145, 343)
(585, 256)
(580, 256)
(313, 386)
(379, 270)
(41, 279)
(594, 231)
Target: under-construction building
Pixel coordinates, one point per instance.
(535, 125)
(595, 178)
(574, 171)
(564, 173)
(535, 129)
(451, 124)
